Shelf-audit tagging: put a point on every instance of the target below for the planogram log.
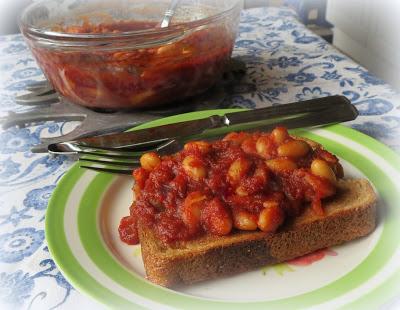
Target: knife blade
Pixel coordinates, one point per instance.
(293, 115)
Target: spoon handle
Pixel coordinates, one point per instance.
(169, 13)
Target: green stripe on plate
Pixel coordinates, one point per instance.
(389, 240)
(60, 250)
(386, 292)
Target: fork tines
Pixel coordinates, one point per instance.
(122, 162)
(101, 168)
(117, 162)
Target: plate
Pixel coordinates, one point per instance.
(85, 209)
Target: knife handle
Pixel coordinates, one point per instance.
(290, 110)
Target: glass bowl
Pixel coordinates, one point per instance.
(114, 54)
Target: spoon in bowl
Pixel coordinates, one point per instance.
(169, 13)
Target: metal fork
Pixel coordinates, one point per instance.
(124, 160)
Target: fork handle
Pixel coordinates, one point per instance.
(289, 110)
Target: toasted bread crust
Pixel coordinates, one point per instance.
(350, 215)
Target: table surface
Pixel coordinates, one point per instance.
(285, 63)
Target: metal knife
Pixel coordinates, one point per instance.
(308, 113)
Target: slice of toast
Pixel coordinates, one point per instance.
(349, 215)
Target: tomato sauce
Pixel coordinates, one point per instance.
(238, 183)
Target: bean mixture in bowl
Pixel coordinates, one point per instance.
(134, 77)
(246, 181)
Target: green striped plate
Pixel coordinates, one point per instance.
(85, 208)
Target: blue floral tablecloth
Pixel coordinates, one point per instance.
(285, 63)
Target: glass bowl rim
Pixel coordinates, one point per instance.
(36, 32)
